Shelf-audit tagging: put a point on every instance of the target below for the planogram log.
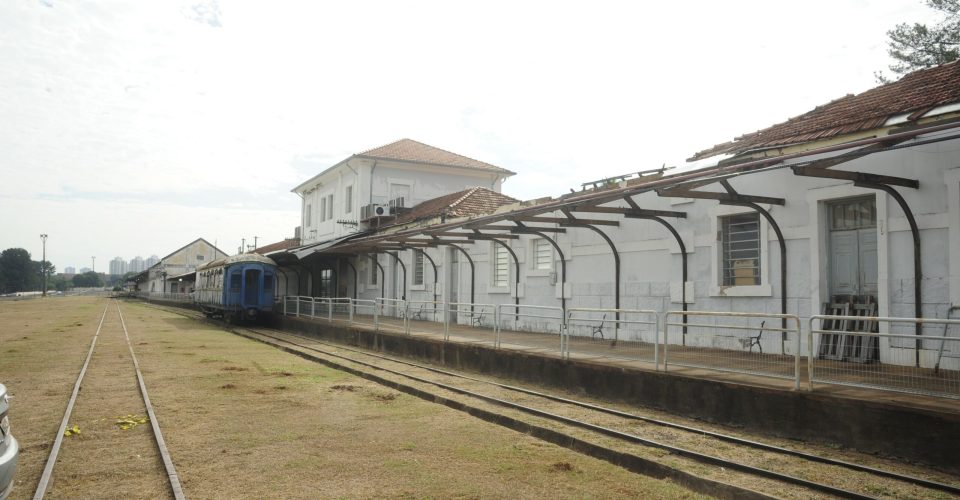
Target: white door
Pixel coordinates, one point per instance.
(853, 248)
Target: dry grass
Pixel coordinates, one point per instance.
(244, 420)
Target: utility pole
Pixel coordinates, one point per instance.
(93, 263)
(243, 244)
(255, 238)
(43, 264)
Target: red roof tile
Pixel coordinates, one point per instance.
(410, 150)
(915, 93)
(469, 202)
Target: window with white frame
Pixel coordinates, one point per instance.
(323, 209)
(348, 200)
(373, 270)
(501, 266)
(418, 267)
(542, 254)
(330, 208)
(740, 250)
(306, 215)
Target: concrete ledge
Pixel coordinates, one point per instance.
(875, 427)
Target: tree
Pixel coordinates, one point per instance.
(920, 46)
(88, 279)
(17, 271)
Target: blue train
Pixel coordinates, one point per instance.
(237, 288)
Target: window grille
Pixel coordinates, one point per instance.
(740, 238)
(306, 215)
(501, 266)
(373, 269)
(542, 254)
(418, 267)
(348, 200)
(330, 203)
(323, 209)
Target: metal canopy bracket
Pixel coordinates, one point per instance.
(884, 183)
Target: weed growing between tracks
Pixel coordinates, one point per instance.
(242, 419)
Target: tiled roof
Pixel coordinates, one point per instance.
(915, 93)
(466, 203)
(280, 245)
(410, 150)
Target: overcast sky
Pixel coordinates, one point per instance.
(133, 127)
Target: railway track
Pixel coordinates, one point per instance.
(47, 475)
(762, 466)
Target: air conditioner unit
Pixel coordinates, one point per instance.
(373, 211)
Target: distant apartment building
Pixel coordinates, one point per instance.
(151, 261)
(69, 270)
(136, 265)
(118, 266)
(84, 270)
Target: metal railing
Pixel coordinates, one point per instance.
(887, 361)
(750, 343)
(542, 320)
(420, 310)
(480, 317)
(631, 334)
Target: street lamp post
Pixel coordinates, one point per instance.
(43, 263)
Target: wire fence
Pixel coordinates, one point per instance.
(879, 353)
(629, 334)
(927, 364)
(766, 345)
(539, 327)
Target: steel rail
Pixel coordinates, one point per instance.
(55, 449)
(701, 457)
(954, 489)
(174, 480)
(664, 423)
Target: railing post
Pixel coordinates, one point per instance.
(350, 299)
(496, 320)
(446, 320)
(666, 340)
(810, 352)
(376, 316)
(329, 310)
(796, 363)
(406, 317)
(298, 306)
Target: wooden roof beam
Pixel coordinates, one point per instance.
(727, 198)
(564, 220)
(811, 171)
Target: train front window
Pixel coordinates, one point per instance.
(235, 281)
(267, 281)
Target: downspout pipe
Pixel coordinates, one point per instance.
(403, 267)
(683, 259)
(783, 264)
(917, 271)
(473, 275)
(516, 282)
(356, 278)
(616, 273)
(383, 275)
(563, 270)
(435, 278)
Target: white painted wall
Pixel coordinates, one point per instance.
(651, 262)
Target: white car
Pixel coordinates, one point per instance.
(9, 449)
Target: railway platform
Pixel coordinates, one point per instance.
(911, 426)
